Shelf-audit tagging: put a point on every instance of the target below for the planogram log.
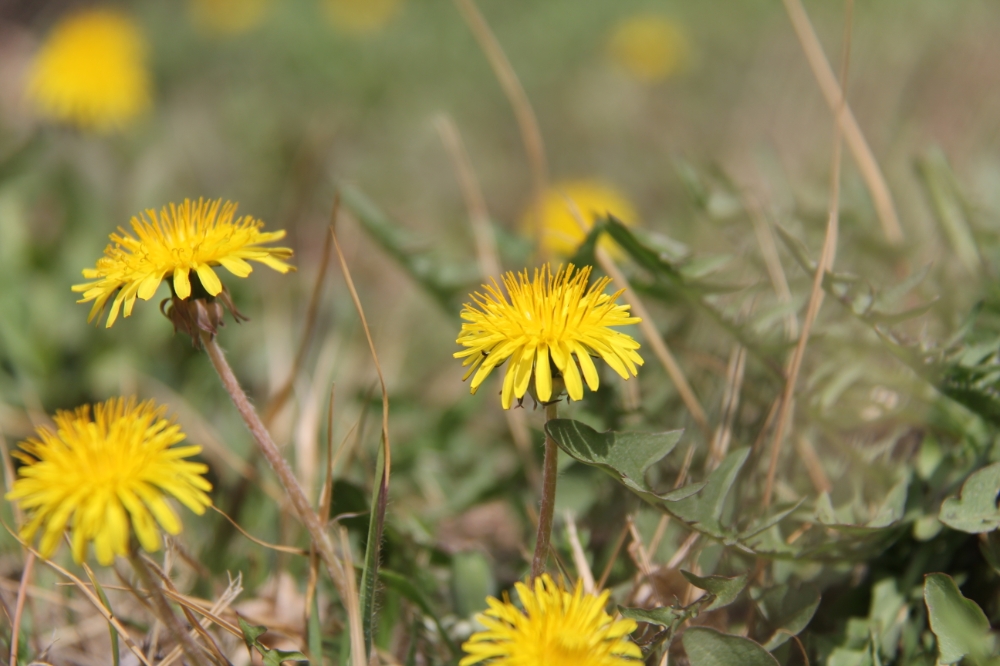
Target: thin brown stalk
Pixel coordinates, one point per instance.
(162, 609)
(352, 605)
(638, 550)
(814, 466)
(550, 472)
(846, 123)
(656, 341)
(579, 558)
(269, 449)
(619, 542)
(682, 552)
(270, 546)
(22, 595)
(769, 250)
(527, 123)
(281, 396)
(661, 527)
(825, 263)
(730, 403)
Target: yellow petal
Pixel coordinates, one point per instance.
(182, 283)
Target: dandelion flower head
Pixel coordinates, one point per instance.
(91, 71)
(227, 17)
(182, 240)
(548, 320)
(555, 628)
(649, 47)
(106, 476)
(361, 17)
(565, 205)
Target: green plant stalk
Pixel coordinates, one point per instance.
(550, 470)
(309, 518)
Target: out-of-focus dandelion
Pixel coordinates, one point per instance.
(649, 47)
(91, 71)
(181, 245)
(556, 628)
(548, 320)
(565, 205)
(227, 17)
(105, 477)
(361, 17)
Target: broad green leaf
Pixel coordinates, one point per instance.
(975, 509)
(704, 509)
(270, 657)
(788, 610)
(960, 625)
(708, 647)
(664, 617)
(624, 455)
(725, 589)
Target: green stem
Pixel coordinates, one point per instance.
(550, 470)
(309, 518)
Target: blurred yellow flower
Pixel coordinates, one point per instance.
(555, 628)
(191, 237)
(650, 47)
(91, 71)
(548, 319)
(227, 17)
(106, 477)
(565, 205)
(361, 16)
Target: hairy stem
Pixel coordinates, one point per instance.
(550, 470)
(304, 511)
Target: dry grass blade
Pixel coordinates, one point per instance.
(579, 558)
(769, 250)
(211, 615)
(351, 604)
(526, 120)
(661, 527)
(825, 263)
(271, 546)
(656, 341)
(834, 94)
(619, 542)
(730, 403)
(22, 595)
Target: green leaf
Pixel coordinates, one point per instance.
(788, 610)
(624, 455)
(724, 589)
(704, 509)
(960, 625)
(708, 647)
(369, 573)
(975, 509)
(664, 617)
(270, 657)
(408, 590)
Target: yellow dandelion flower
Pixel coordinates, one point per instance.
(91, 71)
(361, 17)
(556, 628)
(105, 477)
(191, 237)
(563, 207)
(548, 320)
(649, 47)
(227, 17)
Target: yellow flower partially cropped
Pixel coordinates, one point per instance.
(361, 17)
(181, 244)
(649, 47)
(227, 17)
(91, 71)
(549, 320)
(106, 477)
(555, 628)
(565, 205)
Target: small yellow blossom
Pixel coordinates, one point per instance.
(189, 238)
(548, 320)
(555, 628)
(91, 71)
(565, 205)
(649, 47)
(106, 477)
(228, 17)
(361, 17)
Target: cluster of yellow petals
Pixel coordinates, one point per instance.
(649, 47)
(106, 477)
(91, 71)
(549, 317)
(185, 238)
(568, 210)
(555, 628)
(361, 17)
